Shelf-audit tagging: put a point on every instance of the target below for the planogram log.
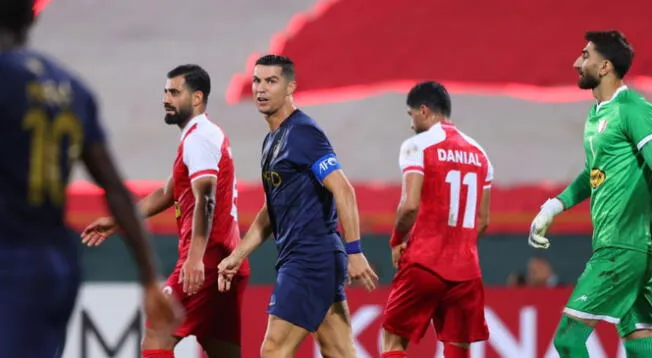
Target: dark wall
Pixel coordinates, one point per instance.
(499, 256)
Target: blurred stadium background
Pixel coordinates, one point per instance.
(506, 62)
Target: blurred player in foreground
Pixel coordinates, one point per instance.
(306, 190)
(444, 209)
(616, 285)
(49, 120)
(203, 190)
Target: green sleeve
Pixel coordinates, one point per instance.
(646, 151)
(577, 191)
(638, 123)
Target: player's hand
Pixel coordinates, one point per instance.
(397, 252)
(100, 229)
(162, 310)
(541, 223)
(192, 275)
(226, 270)
(359, 269)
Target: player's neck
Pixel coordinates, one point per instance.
(607, 89)
(277, 118)
(183, 124)
(10, 41)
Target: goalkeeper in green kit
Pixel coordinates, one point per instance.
(616, 285)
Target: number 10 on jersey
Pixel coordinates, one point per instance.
(458, 182)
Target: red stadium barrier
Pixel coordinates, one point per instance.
(512, 209)
(522, 323)
(381, 46)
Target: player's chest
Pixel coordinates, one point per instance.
(603, 137)
(277, 162)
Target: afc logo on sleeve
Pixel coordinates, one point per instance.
(327, 164)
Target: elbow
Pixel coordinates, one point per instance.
(483, 224)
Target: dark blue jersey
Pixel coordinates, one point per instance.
(47, 119)
(296, 158)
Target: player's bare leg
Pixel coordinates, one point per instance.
(282, 338)
(394, 346)
(158, 345)
(335, 336)
(216, 348)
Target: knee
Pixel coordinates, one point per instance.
(154, 340)
(570, 335)
(272, 348)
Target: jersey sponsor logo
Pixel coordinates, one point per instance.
(602, 125)
(458, 156)
(272, 178)
(177, 210)
(597, 178)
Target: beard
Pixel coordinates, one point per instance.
(179, 116)
(588, 81)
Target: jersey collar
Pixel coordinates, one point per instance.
(620, 89)
(191, 123)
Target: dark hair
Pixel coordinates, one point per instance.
(614, 47)
(197, 79)
(432, 95)
(286, 65)
(16, 15)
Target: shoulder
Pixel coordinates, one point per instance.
(474, 144)
(425, 139)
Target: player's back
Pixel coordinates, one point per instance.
(456, 170)
(46, 116)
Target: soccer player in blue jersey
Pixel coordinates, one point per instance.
(48, 119)
(306, 191)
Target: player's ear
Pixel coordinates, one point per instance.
(197, 98)
(292, 86)
(605, 67)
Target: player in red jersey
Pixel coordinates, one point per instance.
(203, 190)
(445, 208)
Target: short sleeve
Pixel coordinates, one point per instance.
(490, 175)
(201, 155)
(93, 132)
(315, 150)
(411, 157)
(638, 123)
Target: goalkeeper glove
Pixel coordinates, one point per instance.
(540, 224)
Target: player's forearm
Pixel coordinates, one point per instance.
(156, 202)
(259, 231)
(202, 220)
(347, 210)
(578, 190)
(126, 216)
(406, 215)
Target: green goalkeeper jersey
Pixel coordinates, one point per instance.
(620, 180)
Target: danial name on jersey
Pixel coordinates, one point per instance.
(458, 156)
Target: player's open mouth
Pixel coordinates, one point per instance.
(261, 100)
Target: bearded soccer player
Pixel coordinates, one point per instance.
(203, 190)
(616, 285)
(49, 120)
(306, 190)
(444, 209)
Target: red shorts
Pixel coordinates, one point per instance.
(210, 314)
(419, 296)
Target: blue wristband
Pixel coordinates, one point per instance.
(353, 247)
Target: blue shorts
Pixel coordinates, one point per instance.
(38, 288)
(307, 287)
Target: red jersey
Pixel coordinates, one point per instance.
(205, 151)
(456, 170)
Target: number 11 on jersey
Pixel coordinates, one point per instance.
(470, 181)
